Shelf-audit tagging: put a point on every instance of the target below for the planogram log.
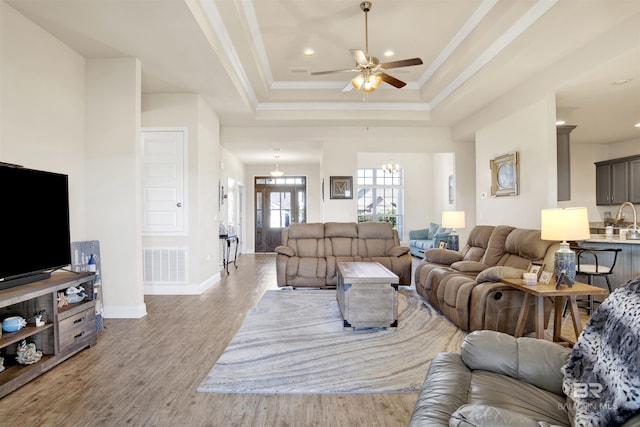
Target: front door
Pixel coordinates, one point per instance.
(279, 202)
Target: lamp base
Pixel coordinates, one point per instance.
(453, 242)
(564, 263)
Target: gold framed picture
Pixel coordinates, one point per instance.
(505, 175)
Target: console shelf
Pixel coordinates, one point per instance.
(69, 329)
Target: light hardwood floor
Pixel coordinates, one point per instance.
(145, 372)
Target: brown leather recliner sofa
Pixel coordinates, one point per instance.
(465, 286)
(309, 253)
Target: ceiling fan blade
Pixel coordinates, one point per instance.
(392, 80)
(360, 57)
(319, 73)
(349, 87)
(401, 63)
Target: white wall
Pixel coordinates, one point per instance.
(530, 131)
(113, 191)
(42, 106)
(187, 110)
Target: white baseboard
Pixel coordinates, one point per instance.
(188, 289)
(125, 311)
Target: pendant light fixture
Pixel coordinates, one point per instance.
(277, 173)
(391, 167)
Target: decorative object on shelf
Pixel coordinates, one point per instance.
(27, 353)
(92, 263)
(562, 225)
(453, 220)
(1, 364)
(505, 175)
(530, 278)
(391, 167)
(341, 187)
(276, 173)
(537, 268)
(13, 324)
(62, 299)
(75, 294)
(545, 277)
(81, 254)
(40, 318)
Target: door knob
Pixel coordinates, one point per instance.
(179, 204)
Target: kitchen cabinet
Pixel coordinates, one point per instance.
(618, 181)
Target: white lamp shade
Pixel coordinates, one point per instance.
(453, 219)
(565, 224)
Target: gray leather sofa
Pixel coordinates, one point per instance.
(499, 380)
(309, 253)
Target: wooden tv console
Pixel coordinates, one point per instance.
(68, 330)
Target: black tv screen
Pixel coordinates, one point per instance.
(35, 222)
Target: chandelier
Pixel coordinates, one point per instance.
(276, 173)
(391, 167)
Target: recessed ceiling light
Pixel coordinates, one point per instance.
(621, 82)
(308, 52)
(560, 122)
(388, 54)
(637, 125)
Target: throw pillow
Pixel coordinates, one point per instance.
(469, 266)
(497, 273)
(433, 228)
(442, 256)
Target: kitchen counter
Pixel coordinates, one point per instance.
(601, 238)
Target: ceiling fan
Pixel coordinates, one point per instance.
(371, 71)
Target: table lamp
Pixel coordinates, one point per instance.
(565, 224)
(453, 220)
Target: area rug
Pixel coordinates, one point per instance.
(293, 341)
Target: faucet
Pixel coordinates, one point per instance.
(634, 233)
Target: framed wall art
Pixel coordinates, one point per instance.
(341, 187)
(505, 175)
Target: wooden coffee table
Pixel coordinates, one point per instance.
(366, 293)
(540, 291)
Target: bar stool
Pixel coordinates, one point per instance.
(595, 262)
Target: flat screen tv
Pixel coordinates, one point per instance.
(35, 224)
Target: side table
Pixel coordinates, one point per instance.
(227, 240)
(542, 290)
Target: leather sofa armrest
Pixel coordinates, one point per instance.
(285, 250)
(399, 251)
(442, 256)
(445, 389)
(469, 266)
(534, 361)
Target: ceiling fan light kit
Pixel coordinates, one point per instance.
(371, 71)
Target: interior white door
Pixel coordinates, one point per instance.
(163, 182)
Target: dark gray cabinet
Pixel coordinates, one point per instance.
(634, 180)
(618, 181)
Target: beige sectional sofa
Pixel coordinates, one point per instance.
(309, 253)
(465, 286)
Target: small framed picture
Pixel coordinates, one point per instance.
(341, 187)
(442, 244)
(545, 277)
(536, 267)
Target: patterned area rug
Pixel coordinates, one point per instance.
(294, 342)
